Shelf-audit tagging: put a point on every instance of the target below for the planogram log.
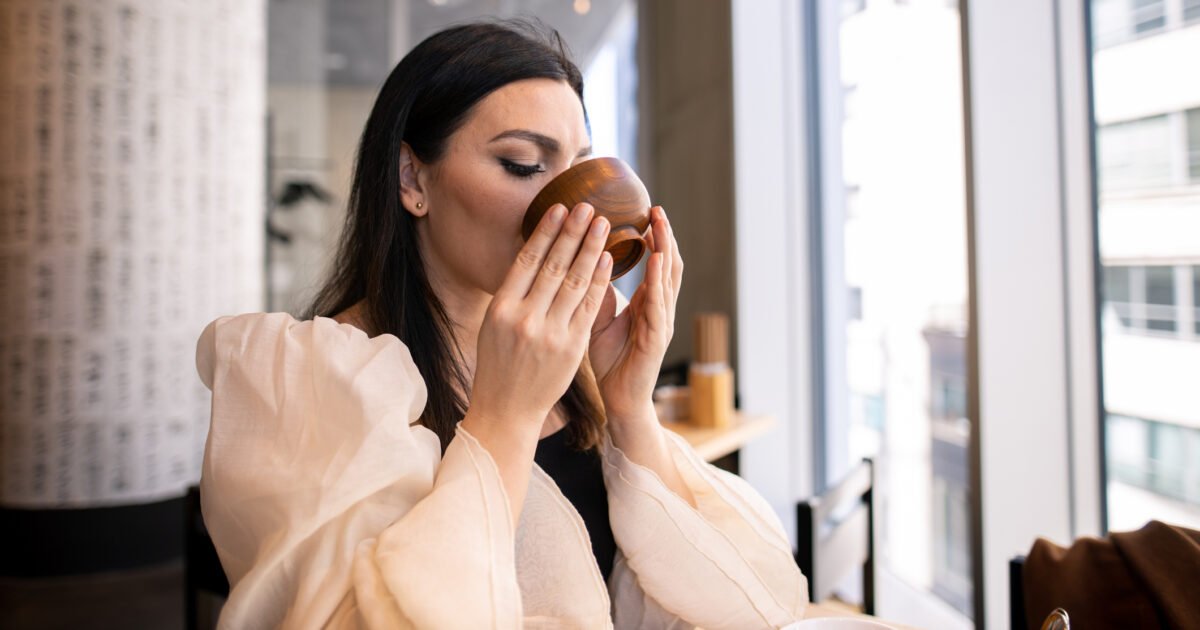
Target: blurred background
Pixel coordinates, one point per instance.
(960, 238)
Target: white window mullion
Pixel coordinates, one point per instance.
(1021, 373)
(774, 352)
(1082, 267)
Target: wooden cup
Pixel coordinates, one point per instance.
(615, 191)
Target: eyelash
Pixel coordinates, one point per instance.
(524, 171)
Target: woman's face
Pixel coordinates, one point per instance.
(474, 197)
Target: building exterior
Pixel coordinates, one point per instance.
(1147, 111)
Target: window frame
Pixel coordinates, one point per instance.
(1029, 167)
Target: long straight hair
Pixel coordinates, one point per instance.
(427, 97)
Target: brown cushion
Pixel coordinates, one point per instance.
(1166, 558)
(1136, 579)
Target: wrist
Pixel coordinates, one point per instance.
(511, 428)
(631, 418)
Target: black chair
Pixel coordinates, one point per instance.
(1016, 593)
(1058, 618)
(836, 533)
(203, 573)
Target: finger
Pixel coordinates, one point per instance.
(655, 311)
(676, 265)
(676, 273)
(579, 278)
(558, 260)
(524, 269)
(666, 242)
(589, 307)
(661, 238)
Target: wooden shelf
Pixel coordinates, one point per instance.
(712, 444)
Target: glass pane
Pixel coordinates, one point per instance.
(1109, 22)
(1148, 136)
(1148, 16)
(905, 269)
(1160, 298)
(1196, 299)
(1135, 154)
(1127, 450)
(1193, 146)
(1118, 21)
(1116, 284)
(1116, 294)
(1191, 11)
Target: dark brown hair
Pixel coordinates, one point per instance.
(427, 97)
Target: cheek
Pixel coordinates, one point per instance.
(487, 229)
(493, 213)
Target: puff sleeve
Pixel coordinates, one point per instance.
(723, 564)
(327, 506)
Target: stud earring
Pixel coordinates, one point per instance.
(420, 205)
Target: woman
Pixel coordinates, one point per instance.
(434, 455)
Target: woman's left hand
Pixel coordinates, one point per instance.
(627, 350)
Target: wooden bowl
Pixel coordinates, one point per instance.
(616, 193)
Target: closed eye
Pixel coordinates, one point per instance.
(524, 171)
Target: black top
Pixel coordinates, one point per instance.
(579, 476)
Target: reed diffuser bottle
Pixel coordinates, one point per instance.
(710, 378)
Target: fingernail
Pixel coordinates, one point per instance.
(599, 226)
(557, 212)
(605, 260)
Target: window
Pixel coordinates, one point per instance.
(1135, 154)
(1160, 298)
(1118, 21)
(1127, 447)
(1144, 298)
(903, 251)
(952, 558)
(1196, 299)
(854, 303)
(1148, 16)
(1191, 11)
(1116, 293)
(1150, 312)
(1154, 466)
(1193, 147)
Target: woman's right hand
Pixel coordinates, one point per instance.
(538, 326)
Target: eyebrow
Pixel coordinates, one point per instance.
(548, 144)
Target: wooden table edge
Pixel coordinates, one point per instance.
(714, 443)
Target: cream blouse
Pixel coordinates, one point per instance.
(329, 507)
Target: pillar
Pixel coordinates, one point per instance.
(131, 209)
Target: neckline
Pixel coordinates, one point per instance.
(558, 433)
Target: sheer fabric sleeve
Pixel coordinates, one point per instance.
(724, 564)
(327, 507)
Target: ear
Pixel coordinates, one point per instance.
(412, 193)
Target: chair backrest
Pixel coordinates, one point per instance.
(202, 566)
(1016, 593)
(835, 533)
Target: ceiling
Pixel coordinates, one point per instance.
(356, 42)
